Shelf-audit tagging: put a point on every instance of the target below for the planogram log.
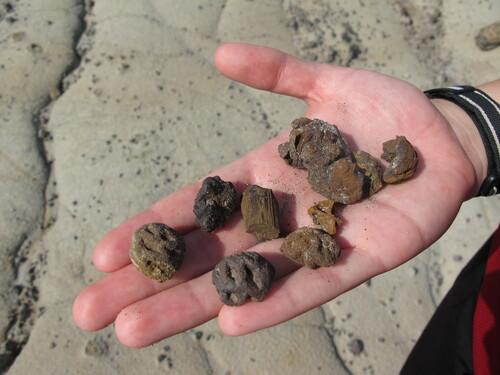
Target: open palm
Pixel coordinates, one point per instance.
(378, 234)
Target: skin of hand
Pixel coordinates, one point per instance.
(379, 233)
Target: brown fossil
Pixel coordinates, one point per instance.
(342, 181)
(402, 158)
(242, 276)
(311, 247)
(157, 251)
(313, 143)
(323, 216)
(371, 169)
(259, 208)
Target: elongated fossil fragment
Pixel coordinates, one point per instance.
(259, 208)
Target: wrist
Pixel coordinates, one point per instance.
(475, 111)
(469, 138)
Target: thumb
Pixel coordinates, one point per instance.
(268, 69)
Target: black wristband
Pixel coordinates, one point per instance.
(485, 113)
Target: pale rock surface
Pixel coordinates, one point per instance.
(36, 42)
(144, 113)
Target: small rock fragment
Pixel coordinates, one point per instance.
(322, 215)
(371, 169)
(157, 251)
(311, 247)
(402, 158)
(19, 35)
(96, 347)
(341, 181)
(313, 143)
(242, 276)
(214, 203)
(259, 208)
(355, 346)
(488, 37)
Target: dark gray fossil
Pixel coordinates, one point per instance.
(214, 203)
(242, 276)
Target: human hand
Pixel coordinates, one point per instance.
(378, 234)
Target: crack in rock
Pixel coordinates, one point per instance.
(29, 263)
(29, 259)
(329, 329)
